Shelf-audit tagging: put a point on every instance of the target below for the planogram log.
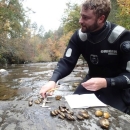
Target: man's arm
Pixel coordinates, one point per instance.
(123, 80)
(69, 60)
(65, 65)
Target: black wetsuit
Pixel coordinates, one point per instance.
(107, 53)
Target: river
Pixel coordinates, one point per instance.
(22, 81)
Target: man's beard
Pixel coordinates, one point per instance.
(89, 29)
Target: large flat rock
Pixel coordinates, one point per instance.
(17, 115)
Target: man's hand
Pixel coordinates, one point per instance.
(95, 84)
(47, 87)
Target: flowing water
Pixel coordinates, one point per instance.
(25, 80)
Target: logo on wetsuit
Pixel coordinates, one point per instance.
(125, 46)
(94, 59)
(109, 52)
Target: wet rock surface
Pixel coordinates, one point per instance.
(15, 115)
(24, 82)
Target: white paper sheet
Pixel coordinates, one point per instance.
(83, 101)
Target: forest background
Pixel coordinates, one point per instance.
(21, 41)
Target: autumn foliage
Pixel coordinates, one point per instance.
(124, 7)
(124, 13)
(21, 41)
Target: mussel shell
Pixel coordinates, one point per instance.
(58, 97)
(84, 114)
(106, 115)
(69, 117)
(104, 123)
(69, 112)
(53, 113)
(37, 102)
(61, 113)
(40, 99)
(61, 117)
(84, 111)
(30, 102)
(56, 112)
(61, 109)
(79, 117)
(98, 113)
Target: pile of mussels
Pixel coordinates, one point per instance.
(104, 122)
(64, 113)
(37, 101)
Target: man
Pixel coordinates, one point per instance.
(106, 48)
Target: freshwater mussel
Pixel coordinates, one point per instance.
(69, 111)
(62, 108)
(61, 117)
(104, 123)
(79, 117)
(63, 112)
(106, 115)
(30, 102)
(38, 101)
(54, 112)
(84, 114)
(99, 113)
(58, 97)
(69, 117)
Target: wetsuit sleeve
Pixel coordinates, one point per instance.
(123, 80)
(69, 60)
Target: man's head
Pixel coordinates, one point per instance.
(94, 14)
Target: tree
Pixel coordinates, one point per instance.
(41, 31)
(13, 27)
(48, 34)
(71, 17)
(112, 16)
(124, 13)
(34, 28)
(12, 16)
